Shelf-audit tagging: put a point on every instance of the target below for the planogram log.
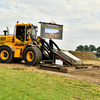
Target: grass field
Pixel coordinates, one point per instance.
(99, 58)
(32, 85)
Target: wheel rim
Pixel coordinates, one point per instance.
(4, 55)
(30, 56)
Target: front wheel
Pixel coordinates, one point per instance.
(6, 55)
(32, 55)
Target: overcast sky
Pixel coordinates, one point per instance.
(81, 18)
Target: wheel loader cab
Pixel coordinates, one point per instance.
(23, 31)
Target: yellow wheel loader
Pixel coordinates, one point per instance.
(20, 46)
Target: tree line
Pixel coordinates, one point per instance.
(90, 48)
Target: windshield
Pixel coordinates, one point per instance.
(31, 30)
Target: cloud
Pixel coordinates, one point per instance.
(81, 18)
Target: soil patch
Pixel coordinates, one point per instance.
(84, 55)
(92, 76)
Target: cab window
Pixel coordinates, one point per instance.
(20, 33)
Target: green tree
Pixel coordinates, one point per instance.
(92, 48)
(98, 50)
(86, 48)
(80, 48)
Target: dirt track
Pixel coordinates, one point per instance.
(92, 76)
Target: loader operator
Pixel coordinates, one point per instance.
(22, 34)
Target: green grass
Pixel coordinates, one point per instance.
(99, 58)
(31, 85)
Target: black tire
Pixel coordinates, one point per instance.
(39, 55)
(6, 55)
(32, 55)
(17, 60)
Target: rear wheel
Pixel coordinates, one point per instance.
(32, 55)
(6, 55)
